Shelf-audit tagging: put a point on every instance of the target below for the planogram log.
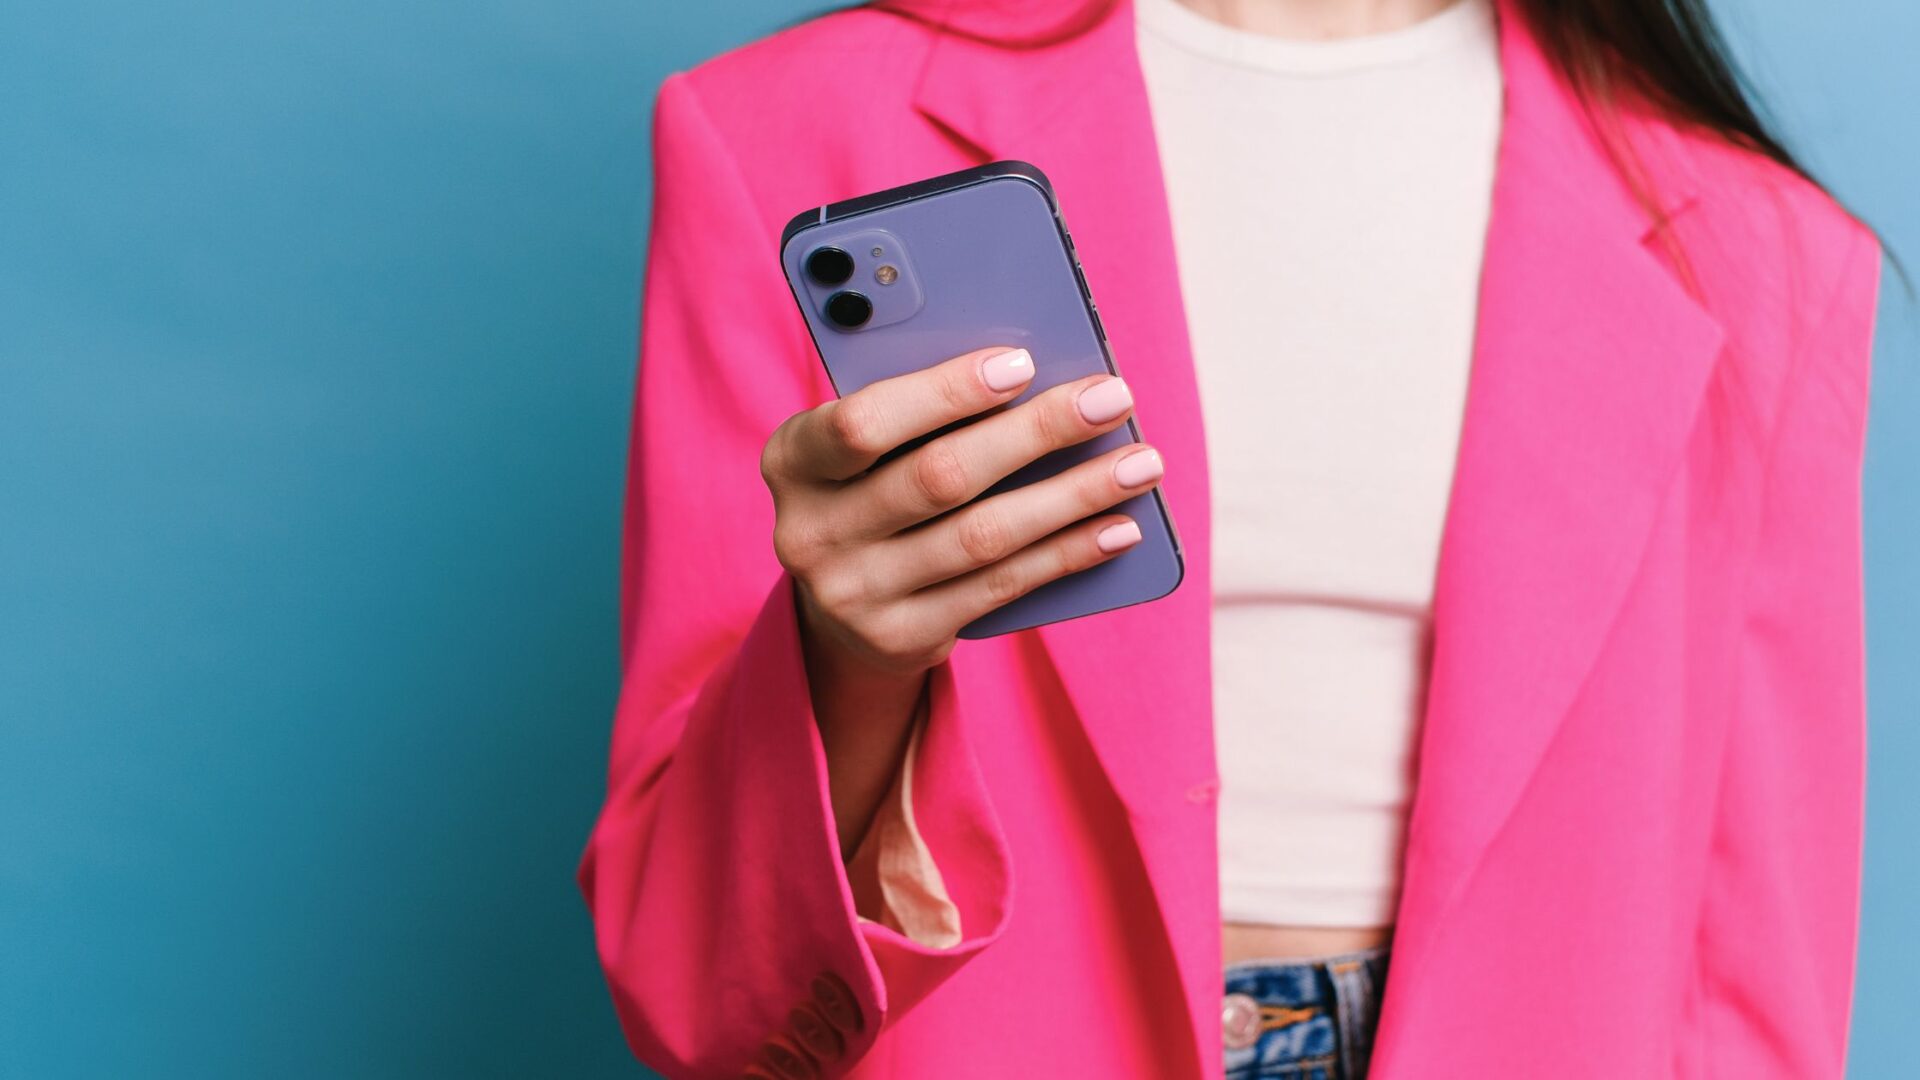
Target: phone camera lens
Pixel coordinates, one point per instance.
(849, 310)
(829, 266)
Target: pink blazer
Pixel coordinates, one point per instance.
(1635, 847)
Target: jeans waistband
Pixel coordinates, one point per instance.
(1303, 1018)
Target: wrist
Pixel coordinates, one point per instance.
(839, 675)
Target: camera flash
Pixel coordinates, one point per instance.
(886, 275)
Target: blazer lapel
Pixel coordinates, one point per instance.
(1590, 363)
(1140, 678)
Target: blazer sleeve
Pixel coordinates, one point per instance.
(1783, 889)
(725, 919)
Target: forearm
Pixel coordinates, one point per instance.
(865, 716)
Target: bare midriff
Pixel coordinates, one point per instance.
(1244, 941)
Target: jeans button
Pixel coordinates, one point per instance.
(1239, 1021)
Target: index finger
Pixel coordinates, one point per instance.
(844, 438)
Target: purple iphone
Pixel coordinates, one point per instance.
(904, 278)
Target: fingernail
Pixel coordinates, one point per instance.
(1118, 536)
(1103, 401)
(1139, 468)
(1005, 370)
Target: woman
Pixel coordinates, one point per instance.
(1506, 726)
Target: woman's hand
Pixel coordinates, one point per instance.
(891, 560)
(883, 583)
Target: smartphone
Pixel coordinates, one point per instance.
(902, 279)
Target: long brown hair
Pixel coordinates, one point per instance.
(1668, 53)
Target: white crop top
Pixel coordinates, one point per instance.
(1329, 202)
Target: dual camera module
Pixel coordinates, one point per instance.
(833, 267)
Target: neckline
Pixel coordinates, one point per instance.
(1186, 29)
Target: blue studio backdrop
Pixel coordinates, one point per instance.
(316, 342)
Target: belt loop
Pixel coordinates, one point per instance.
(1356, 1003)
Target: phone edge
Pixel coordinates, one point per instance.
(933, 185)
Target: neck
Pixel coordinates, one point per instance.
(1317, 20)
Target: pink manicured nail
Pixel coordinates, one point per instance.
(1104, 401)
(1139, 468)
(1119, 536)
(1005, 370)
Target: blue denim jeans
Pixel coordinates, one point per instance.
(1303, 1020)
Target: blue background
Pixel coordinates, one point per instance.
(316, 335)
